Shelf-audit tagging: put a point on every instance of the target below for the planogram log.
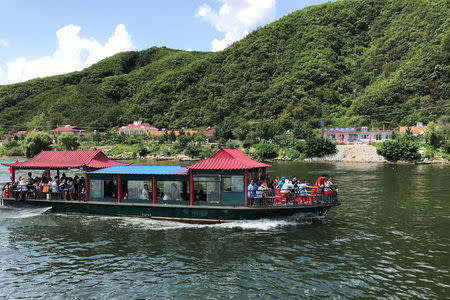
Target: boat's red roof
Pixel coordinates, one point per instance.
(228, 159)
(69, 159)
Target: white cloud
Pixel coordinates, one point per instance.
(74, 53)
(4, 43)
(236, 18)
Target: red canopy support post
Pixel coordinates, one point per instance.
(191, 187)
(264, 174)
(49, 178)
(256, 179)
(154, 189)
(13, 174)
(86, 187)
(119, 189)
(57, 173)
(246, 187)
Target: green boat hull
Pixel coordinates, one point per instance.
(184, 213)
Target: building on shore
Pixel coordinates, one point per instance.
(354, 136)
(73, 129)
(138, 128)
(417, 131)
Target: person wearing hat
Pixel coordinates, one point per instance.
(282, 181)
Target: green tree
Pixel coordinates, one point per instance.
(67, 141)
(35, 143)
(400, 149)
(223, 131)
(266, 150)
(316, 147)
(434, 136)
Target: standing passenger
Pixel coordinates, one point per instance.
(145, 195)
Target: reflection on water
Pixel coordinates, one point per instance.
(390, 238)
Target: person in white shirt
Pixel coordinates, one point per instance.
(145, 195)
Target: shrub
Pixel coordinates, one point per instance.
(193, 149)
(232, 144)
(67, 141)
(143, 151)
(318, 147)
(434, 136)
(446, 147)
(266, 150)
(35, 143)
(291, 153)
(400, 149)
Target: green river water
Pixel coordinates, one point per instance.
(390, 238)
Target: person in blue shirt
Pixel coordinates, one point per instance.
(251, 190)
(283, 179)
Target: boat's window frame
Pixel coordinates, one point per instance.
(219, 181)
(222, 186)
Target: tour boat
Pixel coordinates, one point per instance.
(212, 190)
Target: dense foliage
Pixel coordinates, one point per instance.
(318, 147)
(35, 143)
(266, 150)
(67, 141)
(402, 148)
(351, 62)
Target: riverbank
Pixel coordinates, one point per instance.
(344, 153)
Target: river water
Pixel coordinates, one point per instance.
(390, 238)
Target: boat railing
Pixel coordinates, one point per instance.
(8, 192)
(270, 198)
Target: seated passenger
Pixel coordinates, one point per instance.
(330, 187)
(145, 194)
(22, 186)
(174, 192)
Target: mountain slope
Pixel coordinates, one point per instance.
(352, 62)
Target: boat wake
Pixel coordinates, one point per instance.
(261, 224)
(14, 213)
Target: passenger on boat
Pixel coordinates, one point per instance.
(30, 179)
(174, 192)
(319, 185)
(276, 182)
(8, 187)
(294, 181)
(22, 186)
(54, 185)
(251, 190)
(37, 184)
(330, 187)
(286, 190)
(145, 195)
(281, 183)
(302, 192)
(259, 194)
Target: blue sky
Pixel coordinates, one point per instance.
(91, 30)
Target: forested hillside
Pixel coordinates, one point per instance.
(351, 62)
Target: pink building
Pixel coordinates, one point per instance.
(137, 128)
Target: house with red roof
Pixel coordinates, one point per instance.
(417, 130)
(137, 128)
(67, 128)
(21, 133)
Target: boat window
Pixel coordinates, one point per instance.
(135, 188)
(95, 189)
(207, 188)
(171, 190)
(232, 183)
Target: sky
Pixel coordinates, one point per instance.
(49, 37)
